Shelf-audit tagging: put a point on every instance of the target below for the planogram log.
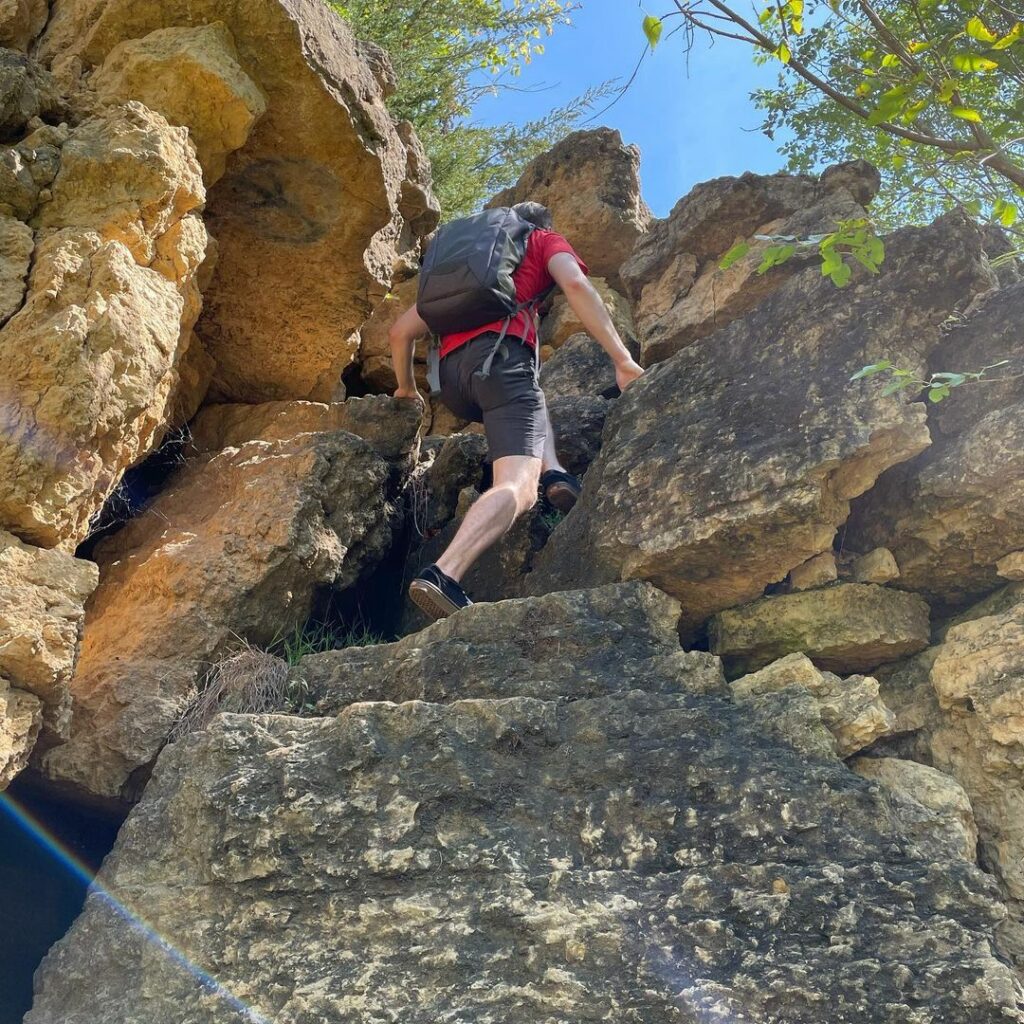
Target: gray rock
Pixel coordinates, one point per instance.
(734, 461)
(953, 512)
(579, 422)
(579, 367)
(648, 856)
(27, 91)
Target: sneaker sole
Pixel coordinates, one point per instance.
(561, 496)
(430, 600)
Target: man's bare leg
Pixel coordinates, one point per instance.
(489, 517)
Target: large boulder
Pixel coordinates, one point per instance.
(42, 607)
(579, 367)
(734, 461)
(852, 627)
(682, 294)
(649, 852)
(590, 182)
(21, 21)
(192, 77)
(309, 214)
(90, 363)
(952, 513)
(233, 548)
(21, 718)
(27, 92)
(561, 323)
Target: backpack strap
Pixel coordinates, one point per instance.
(531, 306)
(434, 365)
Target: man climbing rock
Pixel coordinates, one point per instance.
(489, 367)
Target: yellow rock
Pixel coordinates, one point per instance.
(192, 77)
(42, 605)
(20, 718)
(21, 21)
(16, 244)
(562, 323)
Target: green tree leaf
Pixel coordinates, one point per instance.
(1010, 38)
(652, 29)
(872, 369)
(737, 252)
(977, 29)
(973, 62)
(967, 113)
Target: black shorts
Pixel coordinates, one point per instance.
(509, 402)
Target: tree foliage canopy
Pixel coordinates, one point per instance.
(447, 55)
(931, 91)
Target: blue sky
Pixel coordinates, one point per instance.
(689, 124)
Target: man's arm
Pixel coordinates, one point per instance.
(402, 336)
(587, 304)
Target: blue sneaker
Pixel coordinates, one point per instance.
(436, 594)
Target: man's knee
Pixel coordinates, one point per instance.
(522, 478)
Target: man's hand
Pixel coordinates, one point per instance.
(626, 372)
(412, 393)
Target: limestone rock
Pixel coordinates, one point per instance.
(561, 323)
(192, 77)
(954, 511)
(457, 463)
(389, 425)
(16, 244)
(375, 349)
(579, 367)
(307, 214)
(587, 643)
(878, 566)
(850, 709)
(525, 859)
(1011, 566)
(21, 21)
(935, 805)
(578, 421)
(27, 91)
(42, 602)
(815, 572)
(728, 464)
(27, 169)
(20, 720)
(590, 182)
(851, 627)
(233, 547)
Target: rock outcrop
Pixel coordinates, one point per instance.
(952, 513)
(852, 627)
(732, 462)
(90, 362)
(649, 853)
(590, 182)
(21, 717)
(682, 294)
(234, 547)
(309, 213)
(561, 323)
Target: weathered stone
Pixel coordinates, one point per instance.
(375, 349)
(590, 182)
(416, 203)
(21, 716)
(307, 214)
(850, 627)
(389, 425)
(233, 547)
(457, 463)
(878, 566)
(849, 708)
(685, 295)
(645, 855)
(579, 367)
(42, 602)
(27, 91)
(28, 168)
(815, 572)
(561, 323)
(16, 244)
(951, 514)
(934, 806)
(192, 77)
(578, 421)
(728, 464)
(1011, 567)
(21, 21)
(587, 643)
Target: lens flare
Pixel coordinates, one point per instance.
(12, 810)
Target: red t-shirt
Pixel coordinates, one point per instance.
(531, 279)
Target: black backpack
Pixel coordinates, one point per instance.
(466, 278)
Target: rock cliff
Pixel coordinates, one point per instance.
(738, 739)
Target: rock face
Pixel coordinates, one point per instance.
(561, 323)
(850, 708)
(21, 21)
(653, 855)
(733, 462)
(89, 364)
(578, 367)
(234, 547)
(673, 275)
(309, 214)
(21, 717)
(852, 627)
(590, 182)
(951, 514)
